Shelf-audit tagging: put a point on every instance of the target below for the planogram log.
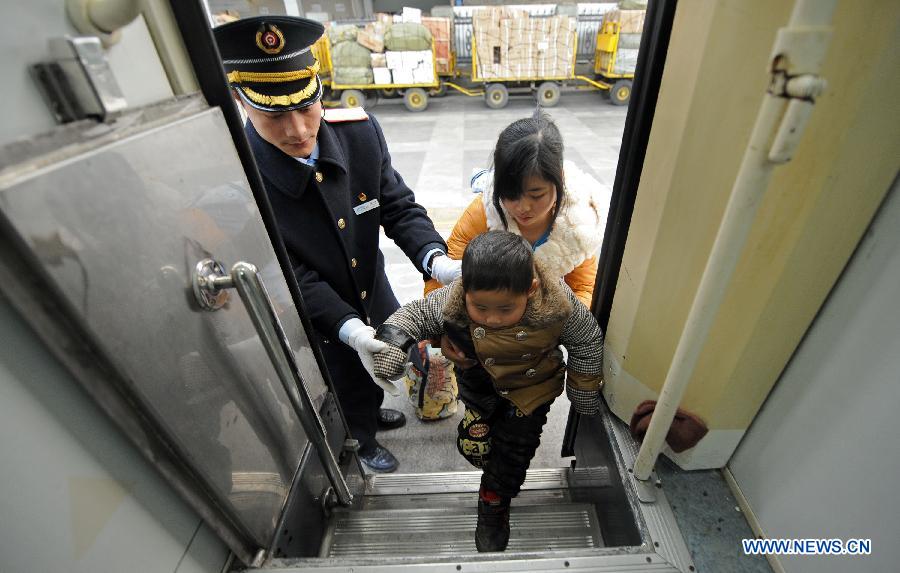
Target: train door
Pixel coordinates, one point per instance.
(137, 251)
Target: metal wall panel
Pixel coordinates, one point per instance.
(118, 229)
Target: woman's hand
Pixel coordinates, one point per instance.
(455, 355)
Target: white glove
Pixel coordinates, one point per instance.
(445, 270)
(361, 338)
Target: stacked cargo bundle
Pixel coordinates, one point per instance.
(350, 60)
(486, 28)
(440, 29)
(382, 53)
(408, 54)
(372, 38)
(512, 45)
(631, 24)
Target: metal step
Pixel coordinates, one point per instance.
(458, 499)
(451, 531)
(464, 482)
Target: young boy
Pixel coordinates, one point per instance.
(503, 314)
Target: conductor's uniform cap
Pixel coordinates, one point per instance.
(270, 62)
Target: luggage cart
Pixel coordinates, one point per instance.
(607, 50)
(415, 96)
(546, 89)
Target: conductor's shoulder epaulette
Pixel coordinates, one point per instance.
(342, 114)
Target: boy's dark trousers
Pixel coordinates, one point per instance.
(501, 439)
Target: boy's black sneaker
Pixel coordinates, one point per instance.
(492, 531)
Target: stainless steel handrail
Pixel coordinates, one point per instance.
(210, 278)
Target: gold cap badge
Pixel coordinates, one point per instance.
(269, 39)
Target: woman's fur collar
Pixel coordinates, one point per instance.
(549, 304)
(578, 230)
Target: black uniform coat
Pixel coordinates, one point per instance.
(334, 250)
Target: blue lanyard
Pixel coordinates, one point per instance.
(543, 238)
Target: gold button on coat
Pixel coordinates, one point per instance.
(521, 335)
(353, 263)
(489, 362)
(530, 372)
(319, 176)
(362, 196)
(478, 332)
(362, 295)
(341, 224)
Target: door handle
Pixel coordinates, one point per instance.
(210, 284)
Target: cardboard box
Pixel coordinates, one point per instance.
(412, 60)
(442, 50)
(394, 60)
(370, 40)
(511, 44)
(411, 67)
(423, 75)
(411, 15)
(440, 28)
(626, 61)
(487, 17)
(382, 76)
(403, 76)
(630, 21)
(552, 65)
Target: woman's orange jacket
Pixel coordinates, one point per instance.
(473, 222)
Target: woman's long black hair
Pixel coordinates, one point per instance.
(529, 146)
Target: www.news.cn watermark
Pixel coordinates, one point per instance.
(807, 546)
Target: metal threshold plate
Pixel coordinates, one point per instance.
(465, 482)
(451, 531)
(458, 499)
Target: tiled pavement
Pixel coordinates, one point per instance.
(436, 150)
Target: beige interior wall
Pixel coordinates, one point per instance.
(812, 217)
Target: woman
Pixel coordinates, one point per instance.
(558, 208)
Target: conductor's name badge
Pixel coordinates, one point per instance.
(364, 207)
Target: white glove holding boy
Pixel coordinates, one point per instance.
(360, 337)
